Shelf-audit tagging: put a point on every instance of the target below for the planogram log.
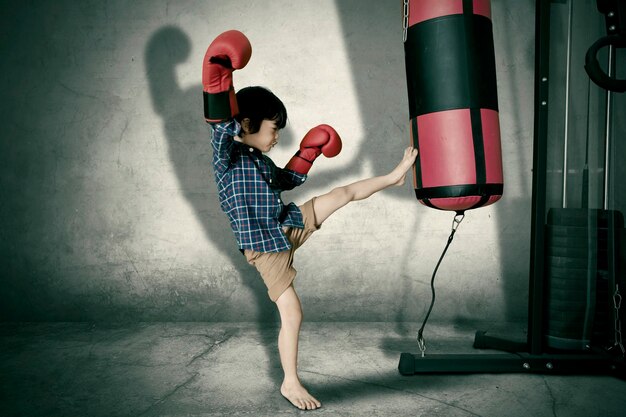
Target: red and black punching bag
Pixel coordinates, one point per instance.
(453, 103)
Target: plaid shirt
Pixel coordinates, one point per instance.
(249, 187)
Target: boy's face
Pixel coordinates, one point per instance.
(264, 139)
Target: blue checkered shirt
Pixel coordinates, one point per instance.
(249, 187)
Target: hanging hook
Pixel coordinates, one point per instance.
(421, 343)
(458, 218)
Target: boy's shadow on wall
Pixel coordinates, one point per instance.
(189, 148)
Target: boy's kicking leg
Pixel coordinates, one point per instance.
(289, 304)
(327, 204)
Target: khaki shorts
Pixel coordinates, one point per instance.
(276, 268)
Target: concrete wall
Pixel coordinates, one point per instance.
(108, 210)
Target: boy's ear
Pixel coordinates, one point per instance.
(245, 125)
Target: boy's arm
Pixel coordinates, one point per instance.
(229, 51)
(288, 179)
(283, 179)
(222, 142)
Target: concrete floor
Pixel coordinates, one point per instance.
(232, 369)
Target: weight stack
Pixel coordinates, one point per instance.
(582, 251)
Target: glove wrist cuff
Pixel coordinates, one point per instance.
(217, 106)
(300, 155)
(299, 164)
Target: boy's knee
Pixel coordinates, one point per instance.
(290, 309)
(292, 318)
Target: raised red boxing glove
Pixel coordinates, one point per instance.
(322, 139)
(229, 51)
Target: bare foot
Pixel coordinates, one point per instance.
(299, 396)
(399, 173)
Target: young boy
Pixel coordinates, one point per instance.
(268, 232)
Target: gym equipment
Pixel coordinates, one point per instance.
(453, 103)
(453, 108)
(577, 270)
(615, 15)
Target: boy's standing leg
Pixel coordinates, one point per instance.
(290, 311)
(288, 303)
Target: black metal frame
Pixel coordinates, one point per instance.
(532, 356)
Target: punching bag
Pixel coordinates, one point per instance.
(453, 103)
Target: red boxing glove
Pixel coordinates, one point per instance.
(231, 50)
(322, 139)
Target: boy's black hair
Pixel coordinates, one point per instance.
(259, 103)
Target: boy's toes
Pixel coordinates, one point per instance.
(300, 398)
(297, 402)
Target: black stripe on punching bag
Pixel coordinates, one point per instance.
(416, 145)
(427, 202)
(456, 191)
(444, 71)
(476, 121)
(479, 146)
(468, 7)
(418, 165)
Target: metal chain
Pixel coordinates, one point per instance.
(617, 303)
(405, 20)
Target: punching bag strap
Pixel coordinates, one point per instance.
(458, 218)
